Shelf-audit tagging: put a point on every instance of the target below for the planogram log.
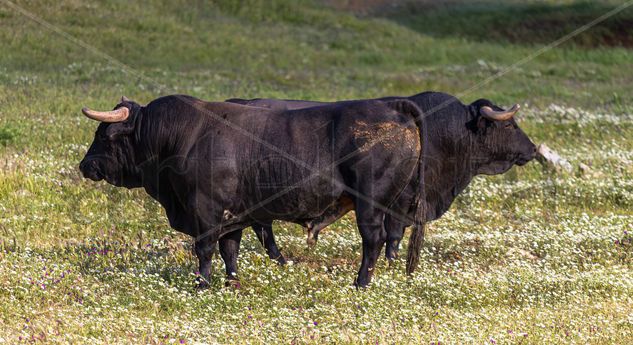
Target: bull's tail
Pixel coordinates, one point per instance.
(417, 235)
(415, 246)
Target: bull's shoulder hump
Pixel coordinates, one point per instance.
(173, 100)
(230, 110)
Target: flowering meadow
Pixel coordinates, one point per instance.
(533, 256)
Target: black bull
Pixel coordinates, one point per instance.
(219, 167)
(460, 145)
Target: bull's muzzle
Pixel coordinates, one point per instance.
(524, 159)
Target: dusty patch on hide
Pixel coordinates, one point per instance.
(388, 134)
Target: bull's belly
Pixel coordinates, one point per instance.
(292, 200)
(278, 188)
(292, 203)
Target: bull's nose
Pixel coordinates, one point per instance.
(533, 152)
(526, 157)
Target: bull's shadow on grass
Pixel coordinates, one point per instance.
(171, 261)
(516, 22)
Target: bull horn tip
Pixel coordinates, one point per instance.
(503, 115)
(124, 99)
(117, 115)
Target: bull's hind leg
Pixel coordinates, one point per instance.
(229, 250)
(395, 232)
(266, 237)
(372, 231)
(332, 214)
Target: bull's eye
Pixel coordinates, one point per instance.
(508, 126)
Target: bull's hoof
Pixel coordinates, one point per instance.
(277, 257)
(233, 283)
(364, 278)
(391, 262)
(360, 284)
(281, 260)
(391, 256)
(311, 240)
(201, 284)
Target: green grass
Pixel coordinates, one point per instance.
(532, 256)
(523, 22)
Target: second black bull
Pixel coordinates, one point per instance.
(463, 141)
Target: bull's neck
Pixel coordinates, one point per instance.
(162, 139)
(451, 164)
(167, 136)
(163, 144)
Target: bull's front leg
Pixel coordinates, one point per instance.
(395, 232)
(229, 250)
(206, 225)
(204, 248)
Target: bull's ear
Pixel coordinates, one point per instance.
(481, 122)
(119, 129)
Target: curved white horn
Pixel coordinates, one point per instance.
(503, 115)
(116, 115)
(124, 99)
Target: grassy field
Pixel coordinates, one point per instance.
(532, 256)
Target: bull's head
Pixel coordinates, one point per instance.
(111, 157)
(499, 142)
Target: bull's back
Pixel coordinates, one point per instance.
(276, 104)
(293, 157)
